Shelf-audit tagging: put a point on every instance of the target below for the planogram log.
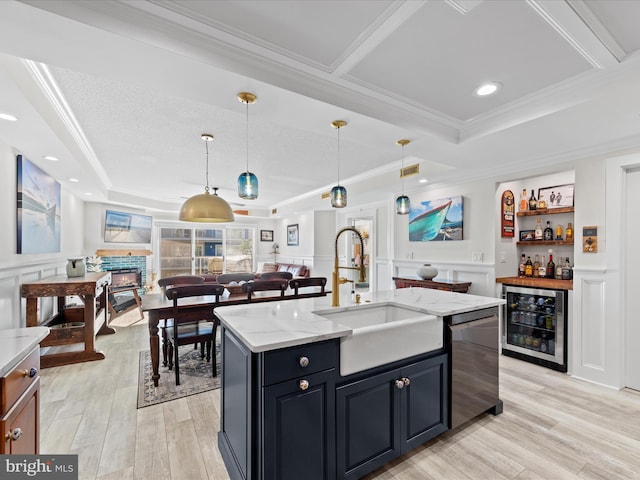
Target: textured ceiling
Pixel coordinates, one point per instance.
(121, 91)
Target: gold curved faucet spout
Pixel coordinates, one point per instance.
(335, 277)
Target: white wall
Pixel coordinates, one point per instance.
(16, 269)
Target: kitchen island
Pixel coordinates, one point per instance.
(289, 410)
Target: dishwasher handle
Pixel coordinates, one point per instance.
(489, 321)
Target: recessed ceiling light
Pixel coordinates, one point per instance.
(50, 158)
(487, 89)
(422, 180)
(6, 116)
(74, 180)
(87, 193)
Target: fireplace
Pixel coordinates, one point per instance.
(122, 281)
(122, 278)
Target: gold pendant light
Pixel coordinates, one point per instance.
(338, 193)
(403, 204)
(206, 207)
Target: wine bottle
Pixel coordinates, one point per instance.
(538, 233)
(551, 268)
(569, 232)
(548, 231)
(559, 232)
(536, 266)
(567, 271)
(524, 203)
(532, 201)
(528, 268)
(521, 269)
(542, 270)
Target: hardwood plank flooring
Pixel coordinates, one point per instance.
(553, 426)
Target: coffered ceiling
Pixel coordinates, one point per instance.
(120, 92)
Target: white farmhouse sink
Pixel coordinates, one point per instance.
(383, 333)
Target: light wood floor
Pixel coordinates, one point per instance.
(553, 427)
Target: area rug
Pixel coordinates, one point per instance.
(195, 377)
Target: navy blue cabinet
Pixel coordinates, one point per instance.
(381, 417)
(278, 411)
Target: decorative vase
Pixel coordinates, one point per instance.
(75, 267)
(427, 272)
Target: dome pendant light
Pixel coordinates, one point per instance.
(206, 208)
(247, 181)
(338, 193)
(403, 205)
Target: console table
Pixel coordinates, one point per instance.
(71, 324)
(447, 285)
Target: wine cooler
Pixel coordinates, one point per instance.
(535, 326)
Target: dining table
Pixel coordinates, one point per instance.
(159, 307)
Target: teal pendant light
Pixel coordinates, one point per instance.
(247, 181)
(338, 193)
(403, 204)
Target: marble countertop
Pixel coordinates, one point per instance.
(269, 326)
(16, 343)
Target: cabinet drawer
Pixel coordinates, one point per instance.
(14, 383)
(21, 423)
(287, 363)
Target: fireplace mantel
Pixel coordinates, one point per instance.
(123, 253)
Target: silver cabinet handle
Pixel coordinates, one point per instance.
(406, 381)
(399, 384)
(303, 384)
(303, 362)
(14, 435)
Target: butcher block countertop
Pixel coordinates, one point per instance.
(533, 282)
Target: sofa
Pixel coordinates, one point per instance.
(297, 270)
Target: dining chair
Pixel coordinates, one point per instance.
(192, 324)
(265, 285)
(276, 276)
(298, 283)
(164, 283)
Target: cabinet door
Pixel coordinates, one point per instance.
(22, 421)
(368, 424)
(299, 428)
(424, 401)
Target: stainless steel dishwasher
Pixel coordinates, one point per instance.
(474, 338)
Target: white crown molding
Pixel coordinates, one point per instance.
(599, 30)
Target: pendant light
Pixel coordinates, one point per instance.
(403, 205)
(247, 181)
(206, 208)
(338, 193)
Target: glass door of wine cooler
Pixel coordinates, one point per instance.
(535, 325)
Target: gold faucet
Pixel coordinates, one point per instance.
(336, 280)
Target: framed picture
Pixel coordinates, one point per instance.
(558, 196)
(526, 235)
(266, 235)
(123, 227)
(435, 220)
(38, 209)
(292, 234)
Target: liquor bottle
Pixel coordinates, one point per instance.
(538, 234)
(524, 203)
(559, 232)
(542, 203)
(567, 271)
(536, 266)
(551, 267)
(559, 268)
(532, 201)
(542, 270)
(569, 232)
(521, 269)
(528, 268)
(548, 231)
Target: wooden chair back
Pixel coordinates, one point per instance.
(298, 283)
(265, 285)
(165, 282)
